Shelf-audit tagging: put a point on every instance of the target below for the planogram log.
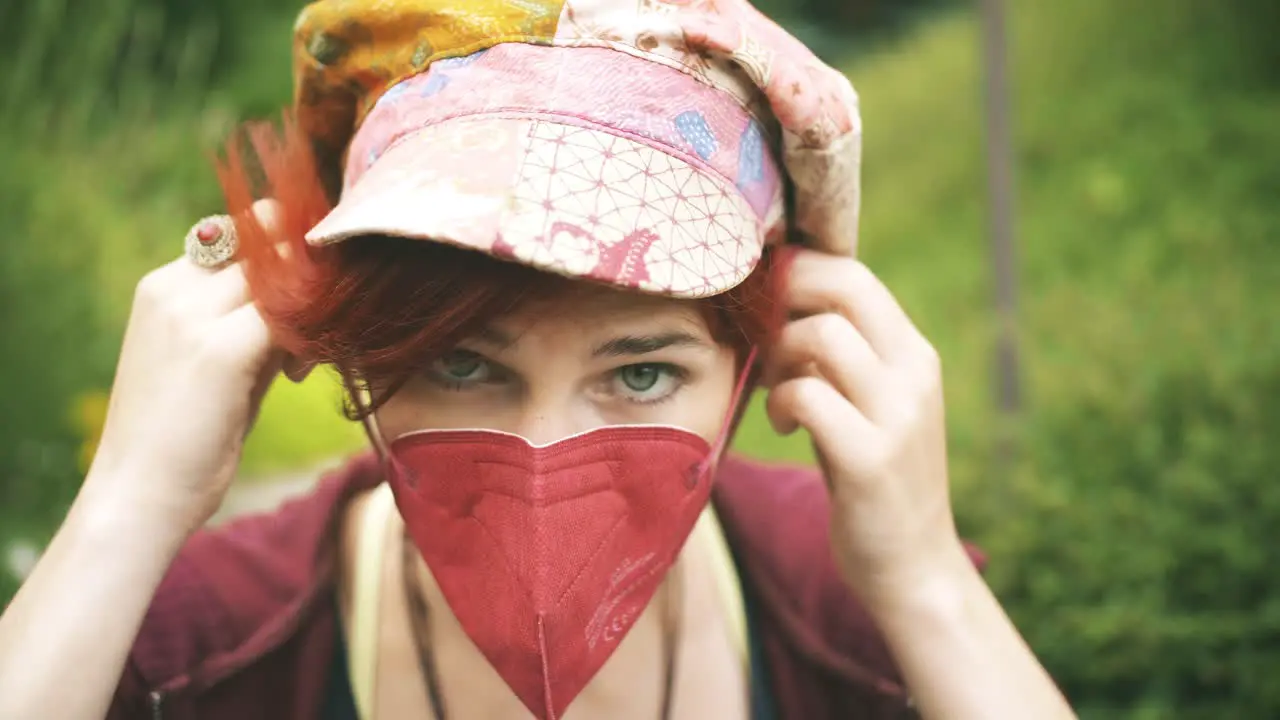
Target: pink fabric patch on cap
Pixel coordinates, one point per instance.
(597, 88)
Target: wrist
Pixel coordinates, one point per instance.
(932, 592)
(112, 502)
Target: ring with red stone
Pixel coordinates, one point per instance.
(212, 242)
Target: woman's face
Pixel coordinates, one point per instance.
(603, 358)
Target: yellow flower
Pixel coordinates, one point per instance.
(88, 414)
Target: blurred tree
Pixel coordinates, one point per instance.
(854, 15)
(1131, 542)
(835, 29)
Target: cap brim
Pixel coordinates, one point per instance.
(564, 198)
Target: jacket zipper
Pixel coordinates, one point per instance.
(157, 705)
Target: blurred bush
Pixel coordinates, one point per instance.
(1129, 528)
(108, 116)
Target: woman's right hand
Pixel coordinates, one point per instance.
(197, 359)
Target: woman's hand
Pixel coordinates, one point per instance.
(855, 372)
(196, 361)
(867, 386)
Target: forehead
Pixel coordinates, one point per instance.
(589, 312)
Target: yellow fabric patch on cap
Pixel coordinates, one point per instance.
(346, 53)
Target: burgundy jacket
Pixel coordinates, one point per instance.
(245, 624)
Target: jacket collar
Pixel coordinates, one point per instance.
(248, 585)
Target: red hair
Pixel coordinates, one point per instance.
(383, 307)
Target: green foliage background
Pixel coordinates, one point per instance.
(1131, 529)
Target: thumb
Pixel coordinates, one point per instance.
(266, 376)
(245, 334)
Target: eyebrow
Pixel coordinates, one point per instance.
(493, 336)
(642, 344)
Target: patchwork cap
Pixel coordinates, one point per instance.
(651, 145)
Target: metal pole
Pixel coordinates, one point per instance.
(999, 157)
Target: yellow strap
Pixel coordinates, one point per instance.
(708, 530)
(365, 599)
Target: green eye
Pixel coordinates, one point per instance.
(647, 383)
(461, 367)
(640, 378)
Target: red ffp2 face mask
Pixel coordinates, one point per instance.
(548, 554)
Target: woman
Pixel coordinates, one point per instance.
(553, 273)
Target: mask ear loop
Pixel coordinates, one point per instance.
(727, 423)
(367, 419)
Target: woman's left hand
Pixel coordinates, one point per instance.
(855, 372)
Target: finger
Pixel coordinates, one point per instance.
(826, 283)
(242, 337)
(815, 405)
(830, 346)
(181, 274)
(223, 291)
(269, 214)
(227, 288)
(266, 377)
(842, 437)
(213, 293)
(174, 276)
